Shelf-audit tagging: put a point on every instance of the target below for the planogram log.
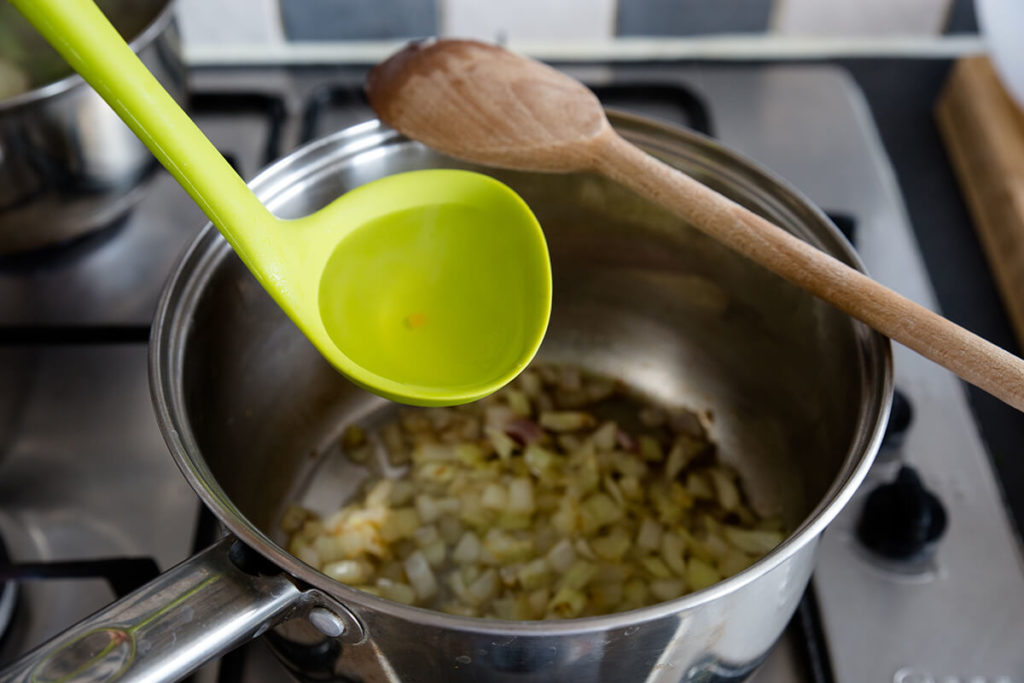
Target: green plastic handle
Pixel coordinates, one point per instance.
(94, 48)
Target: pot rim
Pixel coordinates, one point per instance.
(205, 252)
(146, 36)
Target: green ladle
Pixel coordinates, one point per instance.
(428, 287)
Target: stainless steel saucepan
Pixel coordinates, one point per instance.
(68, 165)
(799, 394)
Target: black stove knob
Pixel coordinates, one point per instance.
(900, 416)
(902, 520)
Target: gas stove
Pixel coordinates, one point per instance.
(91, 504)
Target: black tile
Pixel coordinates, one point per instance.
(358, 19)
(692, 17)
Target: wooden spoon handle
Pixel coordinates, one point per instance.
(975, 360)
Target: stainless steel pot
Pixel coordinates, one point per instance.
(799, 393)
(68, 164)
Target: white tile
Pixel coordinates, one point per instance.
(860, 17)
(220, 22)
(498, 20)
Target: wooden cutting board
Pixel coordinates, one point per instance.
(983, 130)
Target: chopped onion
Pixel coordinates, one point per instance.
(667, 589)
(468, 549)
(420, 576)
(700, 574)
(566, 421)
(534, 504)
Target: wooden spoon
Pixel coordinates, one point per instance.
(484, 104)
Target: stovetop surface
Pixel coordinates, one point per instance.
(84, 472)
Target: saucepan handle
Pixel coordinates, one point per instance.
(185, 617)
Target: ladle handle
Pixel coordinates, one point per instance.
(93, 47)
(972, 358)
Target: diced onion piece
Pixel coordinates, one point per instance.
(421, 577)
(650, 449)
(518, 401)
(676, 460)
(667, 589)
(394, 443)
(698, 485)
(649, 536)
(611, 546)
(506, 547)
(305, 553)
(562, 555)
(503, 444)
(672, 553)
(349, 571)
(753, 541)
(530, 382)
(657, 567)
(631, 488)
(494, 497)
(541, 462)
(538, 602)
(425, 535)
(635, 591)
(459, 609)
(401, 523)
(436, 553)
(430, 451)
(457, 584)
(609, 485)
(450, 529)
(566, 420)
(583, 549)
(503, 608)
(294, 517)
(604, 437)
(613, 572)
(534, 574)
(733, 562)
(398, 592)
(469, 454)
(578, 575)
(427, 508)
(599, 510)
(435, 472)
(484, 587)
(700, 574)
(353, 436)
(725, 489)
(468, 549)
(567, 603)
(402, 493)
(520, 496)
(379, 494)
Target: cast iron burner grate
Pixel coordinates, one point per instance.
(8, 594)
(123, 574)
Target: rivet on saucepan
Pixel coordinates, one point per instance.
(327, 622)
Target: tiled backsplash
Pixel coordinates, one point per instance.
(220, 22)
